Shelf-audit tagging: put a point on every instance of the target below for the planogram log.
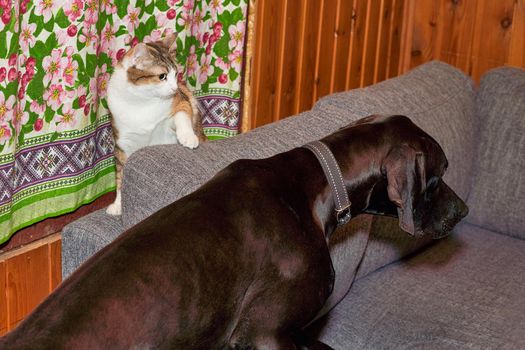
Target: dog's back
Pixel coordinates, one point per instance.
(182, 278)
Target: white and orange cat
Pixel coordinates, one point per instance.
(149, 106)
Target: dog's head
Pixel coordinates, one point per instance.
(413, 188)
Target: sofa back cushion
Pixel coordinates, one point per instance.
(497, 198)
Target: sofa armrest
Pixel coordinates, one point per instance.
(84, 237)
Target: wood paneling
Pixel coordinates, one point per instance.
(473, 35)
(27, 276)
(305, 49)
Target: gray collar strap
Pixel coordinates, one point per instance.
(335, 180)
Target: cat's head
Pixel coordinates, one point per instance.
(151, 69)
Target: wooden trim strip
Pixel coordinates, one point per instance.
(300, 62)
(279, 82)
(246, 121)
(318, 53)
(379, 38)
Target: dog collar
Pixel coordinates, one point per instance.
(335, 180)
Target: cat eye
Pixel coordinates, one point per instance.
(163, 76)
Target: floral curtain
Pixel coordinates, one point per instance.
(56, 56)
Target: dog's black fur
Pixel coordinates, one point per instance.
(243, 263)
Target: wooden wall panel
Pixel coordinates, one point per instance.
(269, 27)
(395, 42)
(290, 52)
(357, 45)
(373, 16)
(306, 49)
(306, 64)
(473, 35)
(27, 282)
(517, 44)
(325, 51)
(383, 40)
(27, 276)
(343, 38)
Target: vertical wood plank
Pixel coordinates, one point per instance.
(407, 36)
(325, 54)
(257, 62)
(342, 44)
(55, 264)
(290, 55)
(307, 70)
(248, 73)
(517, 43)
(357, 46)
(268, 60)
(3, 300)
(383, 41)
(27, 282)
(456, 24)
(370, 47)
(425, 33)
(395, 47)
(493, 33)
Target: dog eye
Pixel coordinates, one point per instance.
(432, 185)
(163, 76)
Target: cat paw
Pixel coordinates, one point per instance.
(188, 139)
(114, 209)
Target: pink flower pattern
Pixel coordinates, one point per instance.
(45, 8)
(58, 55)
(74, 9)
(54, 96)
(53, 66)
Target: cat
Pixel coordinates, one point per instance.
(149, 106)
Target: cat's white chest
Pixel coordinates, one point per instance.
(140, 121)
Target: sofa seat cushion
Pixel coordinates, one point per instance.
(465, 292)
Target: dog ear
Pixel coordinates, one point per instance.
(405, 171)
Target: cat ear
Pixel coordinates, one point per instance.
(170, 42)
(139, 51)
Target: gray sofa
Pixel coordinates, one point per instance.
(392, 291)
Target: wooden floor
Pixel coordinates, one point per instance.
(27, 276)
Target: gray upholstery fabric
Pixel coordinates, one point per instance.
(497, 200)
(387, 243)
(466, 292)
(84, 237)
(437, 97)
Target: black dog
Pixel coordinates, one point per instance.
(251, 269)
